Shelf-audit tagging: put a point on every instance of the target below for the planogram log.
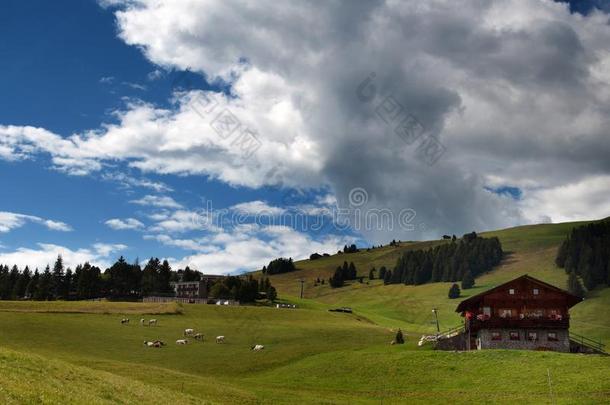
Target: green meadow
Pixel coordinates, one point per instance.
(78, 352)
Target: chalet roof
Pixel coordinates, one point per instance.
(572, 299)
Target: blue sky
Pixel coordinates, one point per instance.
(69, 73)
(111, 140)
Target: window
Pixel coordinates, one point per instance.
(533, 336)
(505, 313)
(496, 336)
(552, 337)
(514, 335)
(511, 291)
(535, 291)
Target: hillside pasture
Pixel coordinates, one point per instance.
(310, 356)
(92, 307)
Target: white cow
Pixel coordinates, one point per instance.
(220, 339)
(142, 321)
(149, 344)
(124, 321)
(198, 336)
(182, 341)
(258, 348)
(152, 322)
(189, 332)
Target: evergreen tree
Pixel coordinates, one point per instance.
(399, 339)
(164, 277)
(336, 280)
(13, 277)
(382, 272)
(150, 277)
(467, 281)
(30, 290)
(387, 278)
(66, 285)
(280, 265)
(351, 272)
(454, 291)
(19, 290)
(271, 294)
(45, 284)
(574, 286)
(372, 274)
(5, 286)
(58, 278)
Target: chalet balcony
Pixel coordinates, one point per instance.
(507, 323)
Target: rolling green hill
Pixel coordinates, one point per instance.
(78, 352)
(529, 250)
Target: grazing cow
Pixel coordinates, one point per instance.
(152, 322)
(154, 343)
(182, 341)
(220, 339)
(258, 348)
(393, 342)
(124, 321)
(189, 332)
(142, 322)
(198, 336)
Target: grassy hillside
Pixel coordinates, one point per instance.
(310, 356)
(79, 352)
(529, 250)
(26, 378)
(91, 307)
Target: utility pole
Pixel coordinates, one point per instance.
(302, 282)
(435, 311)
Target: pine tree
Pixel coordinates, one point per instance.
(45, 283)
(387, 278)
(19, 290)
(164, 277)
(454, 291)
(336, 280)
(467, 281)
(30, 290)
(574, 286)
(351, 271)
(372, 274)
(13, 277)
(399, 339)
(271, 294)
(382, 272)
(150, 277)
(5, 287)
(57, 279)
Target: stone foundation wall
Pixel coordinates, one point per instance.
(458, 342)
(562, 344)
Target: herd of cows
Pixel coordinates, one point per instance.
(189, 332)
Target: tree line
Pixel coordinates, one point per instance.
(278, 266)
(342, 274)
(123, 280)
(585, 255)
(243, 289)
(461, 260)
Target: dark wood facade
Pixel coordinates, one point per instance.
(524, 313)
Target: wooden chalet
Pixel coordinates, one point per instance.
(524, 313)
